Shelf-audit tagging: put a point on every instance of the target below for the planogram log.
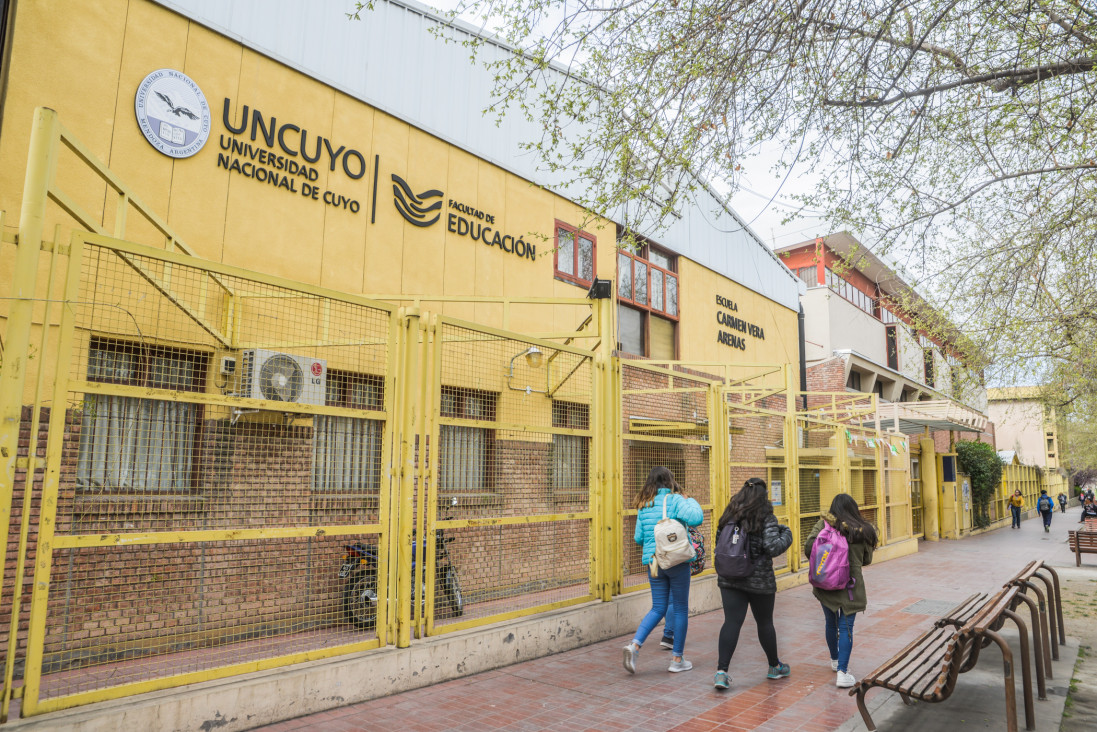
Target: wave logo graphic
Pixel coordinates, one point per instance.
(415, 208)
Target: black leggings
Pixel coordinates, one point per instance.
(735, 612)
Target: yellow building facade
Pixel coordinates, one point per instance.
(300, 180)
(182, 207)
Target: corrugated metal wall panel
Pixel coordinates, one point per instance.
(391, 60)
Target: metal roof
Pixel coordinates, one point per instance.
(392, 61)
(913, 418)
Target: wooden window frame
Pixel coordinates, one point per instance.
(667, 273)
(574, 279)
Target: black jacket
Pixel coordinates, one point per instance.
(774, 541)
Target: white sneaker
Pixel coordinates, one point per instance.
(845, 680)
(679, 666)
(631, 652)
(834, 664)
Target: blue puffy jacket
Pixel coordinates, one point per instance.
(686, 510)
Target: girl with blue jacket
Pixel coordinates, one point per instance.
(669, 587)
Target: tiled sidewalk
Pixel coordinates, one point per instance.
(587, 689)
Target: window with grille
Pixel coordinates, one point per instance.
(570, 453)
(466, 450)
(574, 255)
(346, 451)
(809, 275)
(134, 444)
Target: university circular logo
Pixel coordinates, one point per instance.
(173, 113)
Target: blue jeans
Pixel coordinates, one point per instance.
(1047, 517)
(1016, 511)
(839, 636)
(670, 586)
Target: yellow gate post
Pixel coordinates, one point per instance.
(792, 465)
(718, 462)
(36, 636)
(405, 416)
(41, 159)
(607, 502)
(931, 489)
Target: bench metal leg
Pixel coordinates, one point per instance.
(1051, 607)
(861, 691)
(1043, 626)
(1038, 642)
(1011, 692)
(1058, 605)
(1026, 674)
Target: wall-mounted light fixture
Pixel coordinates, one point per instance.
(534, 359)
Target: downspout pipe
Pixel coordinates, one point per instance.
(803, 358)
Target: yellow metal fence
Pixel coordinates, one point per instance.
(209, 471)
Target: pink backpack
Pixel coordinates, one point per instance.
(829, 568)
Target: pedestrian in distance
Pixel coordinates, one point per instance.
(751, 512)
(668, 586)
(1016, 503)
(1062, 502)
(840, 606)
(1089, 510)
(1046, 509)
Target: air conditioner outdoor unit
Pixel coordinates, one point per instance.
(282, 377)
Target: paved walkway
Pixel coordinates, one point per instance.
(587, 689)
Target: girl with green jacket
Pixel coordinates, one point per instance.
(840, 607)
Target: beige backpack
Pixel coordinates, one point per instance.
(672, 544)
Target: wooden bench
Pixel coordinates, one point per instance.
(927, 669)
(1083, 541)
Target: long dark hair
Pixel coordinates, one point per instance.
(848, 520)
(749, 508)
(658, 477)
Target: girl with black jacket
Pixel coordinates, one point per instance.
(751, 510)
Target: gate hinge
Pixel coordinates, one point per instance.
(22, 462)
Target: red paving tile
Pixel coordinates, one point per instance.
(587, 690)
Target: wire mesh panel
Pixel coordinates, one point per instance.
(192, 607)
(756, 449)
(224, 446)
(664, 422)
(864, 475)
(819, 470)
(917, 519)
(896, 484)
(508, 509)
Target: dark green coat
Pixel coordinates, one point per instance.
(860, 555)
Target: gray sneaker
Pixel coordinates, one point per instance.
(678, 666)
(631, 653)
